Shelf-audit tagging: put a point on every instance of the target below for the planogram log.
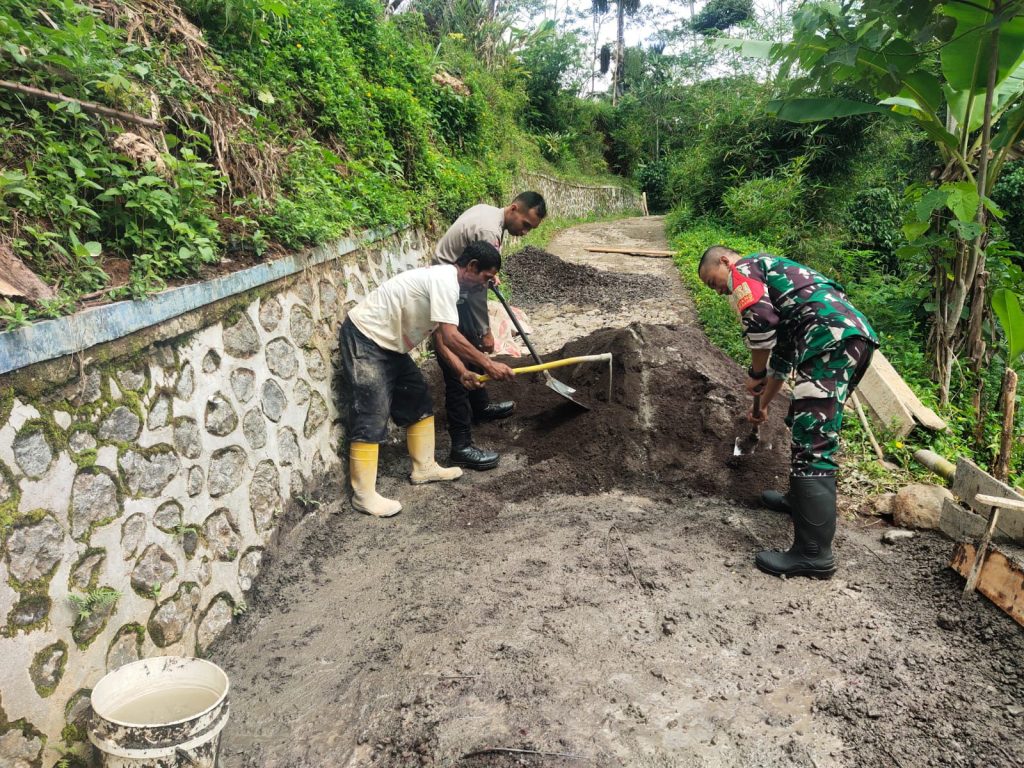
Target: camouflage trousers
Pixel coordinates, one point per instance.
(823, 383)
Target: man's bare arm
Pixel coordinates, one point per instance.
(455, 344)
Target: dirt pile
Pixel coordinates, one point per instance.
(676, 408)
(538, 277)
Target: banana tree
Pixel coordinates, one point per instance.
(956, 69)
(1007, 306)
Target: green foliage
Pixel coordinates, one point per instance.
(653, 178)
(1007, 306)
(690, 238)
(766, 206)
(101, 597)
(872, 220)
(719, 15)
(327, 115)
(1009, 196)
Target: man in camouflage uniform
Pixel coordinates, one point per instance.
(798, 323)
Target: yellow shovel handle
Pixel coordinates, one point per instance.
(606, 357)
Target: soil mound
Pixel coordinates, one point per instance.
(539, 277)
(675, 411)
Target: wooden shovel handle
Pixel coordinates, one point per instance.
(605, 357)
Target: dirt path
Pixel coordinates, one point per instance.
(557, 323)
(587, 600)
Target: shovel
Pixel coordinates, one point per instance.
(605, 357)
(745, 446)
(563, 389)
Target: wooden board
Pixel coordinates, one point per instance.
(892, 403)
(1001, 502)
(971, 480)
(631, 251)
(17, 281)
(1001, 579)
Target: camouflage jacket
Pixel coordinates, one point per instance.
(792, 310)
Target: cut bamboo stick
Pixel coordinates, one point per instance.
(655, 254)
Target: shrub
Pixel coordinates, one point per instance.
(1009, 195)
(653, 179)
(766, 207)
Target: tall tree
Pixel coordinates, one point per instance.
(623, 8)
(957, 71)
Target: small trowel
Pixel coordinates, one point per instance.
(744, 446)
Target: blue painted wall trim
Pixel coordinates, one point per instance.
(66, 335)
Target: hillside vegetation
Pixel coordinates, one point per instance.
(247, 126)
(878, 142)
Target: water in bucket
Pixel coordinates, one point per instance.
(165, 712)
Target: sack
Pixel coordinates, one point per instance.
(506, 338)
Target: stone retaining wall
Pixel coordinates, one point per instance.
(143, 476)
(149, 477)
(569, 200)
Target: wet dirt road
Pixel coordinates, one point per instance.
(546, 614)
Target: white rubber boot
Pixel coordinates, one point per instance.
(425, 469)
(362, 468)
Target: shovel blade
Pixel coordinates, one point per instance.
(564, 390)
(744, 446)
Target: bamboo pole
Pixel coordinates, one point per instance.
(87, 106)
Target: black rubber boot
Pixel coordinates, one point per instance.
(465, 454)
(495, 411)
(814, 526)
(776, 502)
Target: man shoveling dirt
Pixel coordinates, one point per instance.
(465, 406)
(382, 380)
(797, 322)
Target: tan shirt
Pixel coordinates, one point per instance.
(481, 222)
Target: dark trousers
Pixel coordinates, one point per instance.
(462, 404)
(378, 383)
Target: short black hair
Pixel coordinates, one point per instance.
(532, 201)
(483, 253)
(713, 255)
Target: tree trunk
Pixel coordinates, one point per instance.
(975, 334)
(1001, 471)
(979, 419)
(950, 298)
(969, 261)
(620, 36)
(975, 342)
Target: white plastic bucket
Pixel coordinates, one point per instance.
(164, 712)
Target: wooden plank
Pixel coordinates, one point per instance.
(17, 281)
(893, 404)
(631, 251)
(970, 480)
(962, 524)
(1001, 579)
(888, 410)
(998, 501)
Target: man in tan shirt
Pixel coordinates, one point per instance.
(486, 223)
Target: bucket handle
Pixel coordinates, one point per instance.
(206, 736)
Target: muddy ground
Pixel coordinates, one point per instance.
(593, 600)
